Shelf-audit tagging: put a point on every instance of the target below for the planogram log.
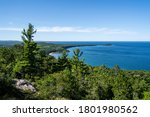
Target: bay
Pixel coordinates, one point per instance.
(128, 55)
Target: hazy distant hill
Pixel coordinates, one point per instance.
(9, 43)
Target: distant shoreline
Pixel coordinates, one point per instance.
(73, 46)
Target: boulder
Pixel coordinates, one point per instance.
(25, 85)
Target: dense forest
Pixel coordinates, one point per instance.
(27, 71)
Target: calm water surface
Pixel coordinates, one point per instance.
(128, 55)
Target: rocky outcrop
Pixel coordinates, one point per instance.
(24, 85)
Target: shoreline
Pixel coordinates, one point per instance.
(55, 53)
(71, 46)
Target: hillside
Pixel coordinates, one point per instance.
(28, 72)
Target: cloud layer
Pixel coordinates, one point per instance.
(58, 29)
(10, 29)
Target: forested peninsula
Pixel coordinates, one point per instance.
(27, 71)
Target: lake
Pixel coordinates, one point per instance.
(128, 55)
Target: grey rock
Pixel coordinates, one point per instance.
(25, 85)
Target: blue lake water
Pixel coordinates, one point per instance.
(128, 55)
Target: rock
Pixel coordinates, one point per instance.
(22, 82)
(25, 85)
(136, 75)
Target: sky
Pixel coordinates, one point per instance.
(76, 20)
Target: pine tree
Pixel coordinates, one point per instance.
(27, 64)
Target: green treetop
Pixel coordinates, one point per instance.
(27, 65)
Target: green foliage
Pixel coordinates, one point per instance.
(9, 91)
(65, 78)
(61, 85)
(146, 95)
(77, 54)
(139, 87)
(63, 62)
(27, 64)
(7, 60)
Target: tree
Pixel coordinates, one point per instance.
(27, 65)
(76, 60)
(7, 60)
(78, 65)
(63, 62)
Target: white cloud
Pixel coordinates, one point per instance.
(58, 29)
(70, 29)
(10, 29)
(84, 30)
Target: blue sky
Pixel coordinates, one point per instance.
(76, 20)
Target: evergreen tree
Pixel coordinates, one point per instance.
(63, 61)
(27, 65)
